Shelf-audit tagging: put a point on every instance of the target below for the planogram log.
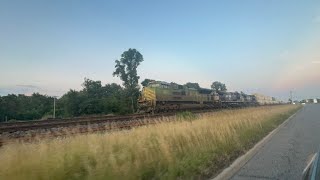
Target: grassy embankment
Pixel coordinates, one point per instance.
(192, 148)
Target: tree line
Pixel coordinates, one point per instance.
(24, 107)
(94, 98)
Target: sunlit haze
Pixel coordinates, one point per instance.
(269, 47)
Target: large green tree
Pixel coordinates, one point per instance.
(126, 69)
(218, 86)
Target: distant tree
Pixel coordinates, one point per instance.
(115, 99)
(91, 94)
(218, 86)
(71, 102)
(93, 89)
(92, 99)
(38, 106)
(9, 106)
(192, 85)
(21, 107)
(145, 82)
(126, 69)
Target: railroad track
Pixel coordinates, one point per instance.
(18, 130)
(12, 127)
(32, 130)
(21, 126)
(48, 124)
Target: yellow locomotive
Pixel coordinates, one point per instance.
(162, 97)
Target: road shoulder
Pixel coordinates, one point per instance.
(230, 171)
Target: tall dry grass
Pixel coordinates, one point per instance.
(181, 149)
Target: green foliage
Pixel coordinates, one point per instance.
(69, 103)
(94, 99)
(21, 107)
(192, 85)
(145, 82)
(126, 69)
(218, 86)
(186, 115)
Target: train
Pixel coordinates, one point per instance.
(160, 96)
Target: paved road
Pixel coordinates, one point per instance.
(285, 155)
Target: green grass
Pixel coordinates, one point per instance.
(180, 149)
(186, 115)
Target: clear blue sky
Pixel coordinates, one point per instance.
(266, 46)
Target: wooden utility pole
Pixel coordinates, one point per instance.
(54, 106)
(132, 104)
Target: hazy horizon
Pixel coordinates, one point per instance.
(268, 47)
